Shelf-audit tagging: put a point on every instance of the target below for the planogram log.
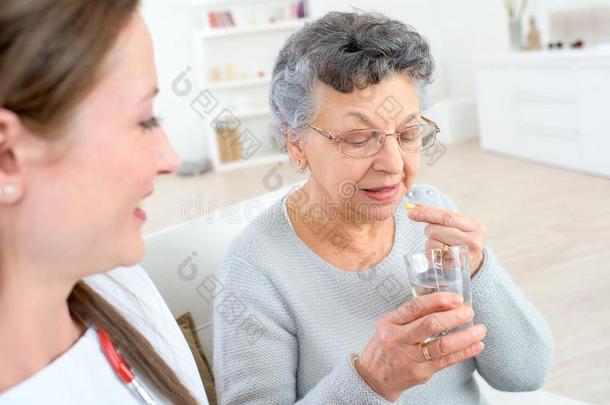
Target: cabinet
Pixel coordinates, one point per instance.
(549, 107)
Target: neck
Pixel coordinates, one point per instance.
(344, 239)
(35, 322)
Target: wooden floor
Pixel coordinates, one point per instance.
(549, 227)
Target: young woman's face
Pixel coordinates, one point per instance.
(82, 195)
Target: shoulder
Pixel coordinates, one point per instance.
(131, 291)
(263, 238)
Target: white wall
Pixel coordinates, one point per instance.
(170, 23)
(456, 30)
(541, 10)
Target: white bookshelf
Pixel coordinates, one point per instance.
(270, 158)
(253, 113)
(239, 84)
(219, 33)
(234, 64)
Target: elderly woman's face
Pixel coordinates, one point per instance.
(370, 186)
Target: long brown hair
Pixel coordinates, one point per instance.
(51, 54)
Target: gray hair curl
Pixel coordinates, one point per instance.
(344, 50)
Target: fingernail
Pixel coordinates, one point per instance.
(409, 206)
(482, 345)
(481, 330)
(458, 299)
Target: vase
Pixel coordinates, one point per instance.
(515, 30)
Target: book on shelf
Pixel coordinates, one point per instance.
(291, 10)
(221, 19)
(229, 144)
(301, 9)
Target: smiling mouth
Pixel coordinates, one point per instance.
(139, 210)
(140, 214)
(381, 189)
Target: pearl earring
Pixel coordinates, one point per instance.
(9, 189)
(299, 167)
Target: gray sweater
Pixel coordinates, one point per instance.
(286, 322)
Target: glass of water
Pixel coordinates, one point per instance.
(435, 270)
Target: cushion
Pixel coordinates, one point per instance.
(187, 326)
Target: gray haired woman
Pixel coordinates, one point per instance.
(314, 305)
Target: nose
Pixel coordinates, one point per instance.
(390, 157)
(168, 160)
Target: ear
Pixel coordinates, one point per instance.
(298, 158)
(11, 174)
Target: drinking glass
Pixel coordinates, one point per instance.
(437, 270)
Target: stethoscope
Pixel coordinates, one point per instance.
(122, 369)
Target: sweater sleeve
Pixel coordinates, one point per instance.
(519, 343)
(256, 349)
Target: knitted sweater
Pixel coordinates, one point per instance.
(286, 322)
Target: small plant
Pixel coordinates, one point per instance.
(515, 8)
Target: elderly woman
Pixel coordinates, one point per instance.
(315, 305)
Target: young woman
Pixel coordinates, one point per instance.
(79, 150)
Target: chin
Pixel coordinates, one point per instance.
(132, 252)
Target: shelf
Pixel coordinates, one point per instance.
(222, 3)
(217, 33)
(271, 158)
(239, 84)
(253, 113)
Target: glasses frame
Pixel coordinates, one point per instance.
(339, 139)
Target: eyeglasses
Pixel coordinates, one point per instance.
(361, 143)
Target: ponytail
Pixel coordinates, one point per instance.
(89, 307)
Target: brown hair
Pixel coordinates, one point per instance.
(51, 55)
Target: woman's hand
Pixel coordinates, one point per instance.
(393, 360)
(453, 229)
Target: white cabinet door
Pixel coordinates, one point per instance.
(495, 109)
(549, 110)
(595, 104)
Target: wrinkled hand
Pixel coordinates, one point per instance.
(393, 361)
(453, 229)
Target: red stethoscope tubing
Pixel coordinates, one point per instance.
(121, 368)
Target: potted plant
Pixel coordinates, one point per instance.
(515, 10)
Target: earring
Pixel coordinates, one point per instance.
(8, 189)
(299, 168)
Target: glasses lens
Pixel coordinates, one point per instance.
(361, 143)
(429, 138)
(417, 138)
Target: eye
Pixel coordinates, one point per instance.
(151, 123)
(359, 137)
(410, 134)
